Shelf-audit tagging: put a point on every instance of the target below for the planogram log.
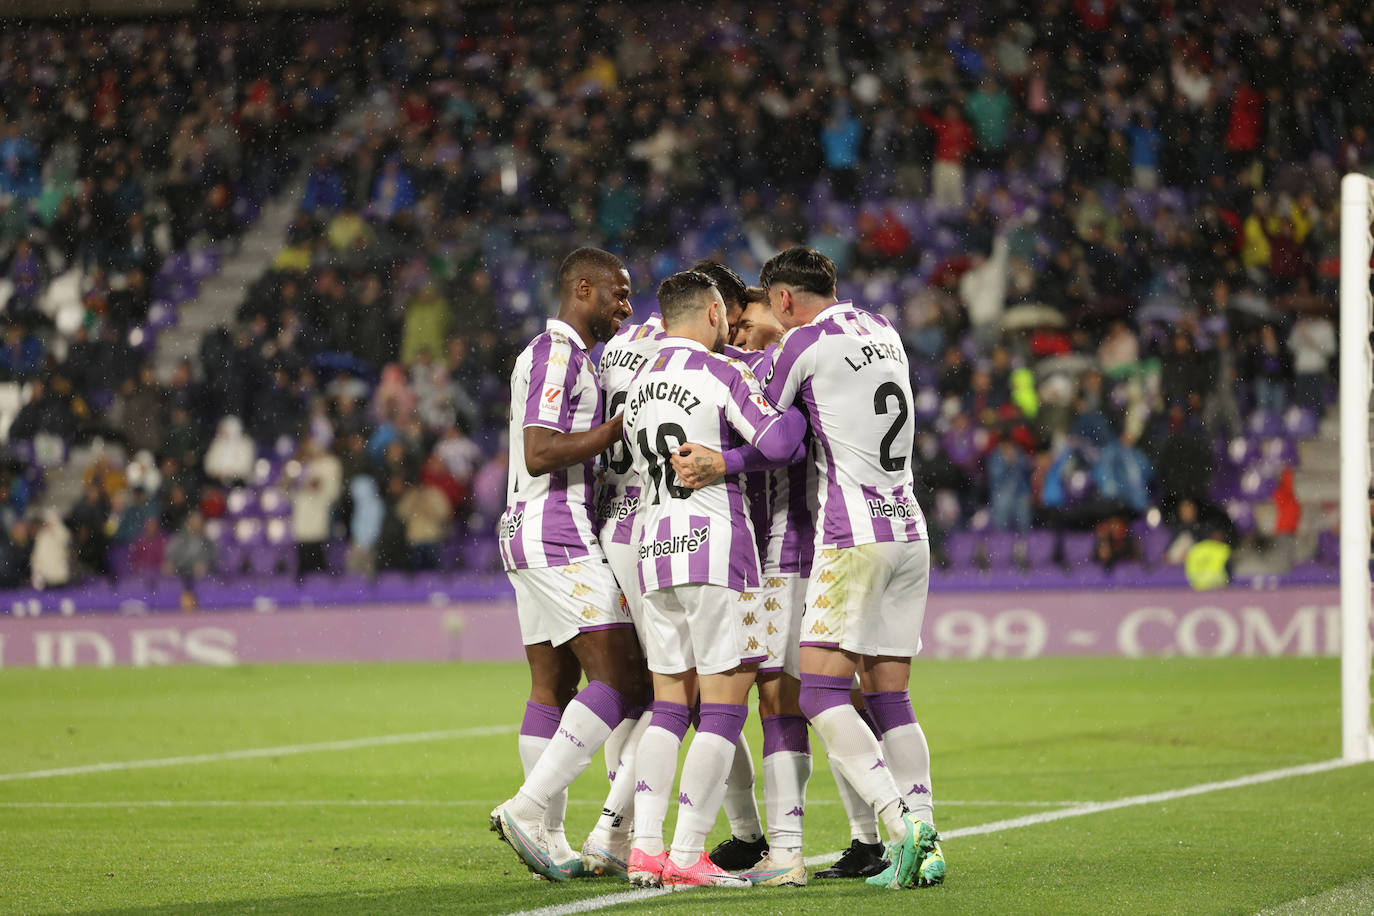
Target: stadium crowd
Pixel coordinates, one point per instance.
(1109, 237)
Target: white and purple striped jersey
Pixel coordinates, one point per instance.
(619, 496)
(548, 519)
(781, 501)
(689, 394)
(848, 372)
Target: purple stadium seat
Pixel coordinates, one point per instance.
(959, 549)
(1078, 550)
(1154, 542)
(1040, 549)
(1301, 422)
(1242, 515)
(1001, 549)
(267, 559)
(1328, 548)
(1264, 423)
(233, 556)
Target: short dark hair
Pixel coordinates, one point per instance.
(730, 284)
(680, 294)
(584, 260)
(805, 268)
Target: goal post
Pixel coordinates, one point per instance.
(1356, 382)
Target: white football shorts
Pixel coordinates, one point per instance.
(556, 603)
(869, 599)
(711, 628)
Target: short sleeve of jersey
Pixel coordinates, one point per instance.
(746, 409)
(550, 400)
(789, 366)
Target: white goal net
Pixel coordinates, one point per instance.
(1356, 385)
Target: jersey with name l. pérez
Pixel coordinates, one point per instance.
(618, 498)
(549, 518)
(848, 371)
(689, 394)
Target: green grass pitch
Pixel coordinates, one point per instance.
(402, 828)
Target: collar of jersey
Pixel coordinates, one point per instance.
(840, 306)
(671, 341)
(557, 324)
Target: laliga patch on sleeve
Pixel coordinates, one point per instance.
(551, 402)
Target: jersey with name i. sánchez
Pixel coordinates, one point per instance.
(549, 518)
(689, 394)
(848, 371)
(619, 495)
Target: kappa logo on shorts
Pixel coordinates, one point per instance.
(820, 629)
(830, 554)
(571, 569)
(750, 619)
(752, 645)
(588, 612)
(747, 596)
(678, 543)
(772, 630)
(580, 589)
(774, 583)
(772, 604)
(826, 577)
(821, 602)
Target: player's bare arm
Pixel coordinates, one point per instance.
(548, 450)
(697, 466)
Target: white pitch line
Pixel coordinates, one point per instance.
(392, 803)
(593, 904)
(256, 752)
(1044, 817)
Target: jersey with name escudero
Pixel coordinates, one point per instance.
(848, 371)
(619, 497)
(548, 519)
(689, 394)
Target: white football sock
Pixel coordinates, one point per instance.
(703, 792)
(785, 775)
(655, 767)
(857, 754)
(617, 814)
(531, 748)
(909, 756)
(581, 731)
(741, 807)
(863, 823)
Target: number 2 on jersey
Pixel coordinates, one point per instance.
(887, 390)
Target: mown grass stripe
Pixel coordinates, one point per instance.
(251, 753)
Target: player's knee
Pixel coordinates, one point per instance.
(820, 692)
(890, 709)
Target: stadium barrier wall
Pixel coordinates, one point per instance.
(1298, 621)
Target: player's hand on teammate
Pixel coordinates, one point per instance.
(696, 465)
